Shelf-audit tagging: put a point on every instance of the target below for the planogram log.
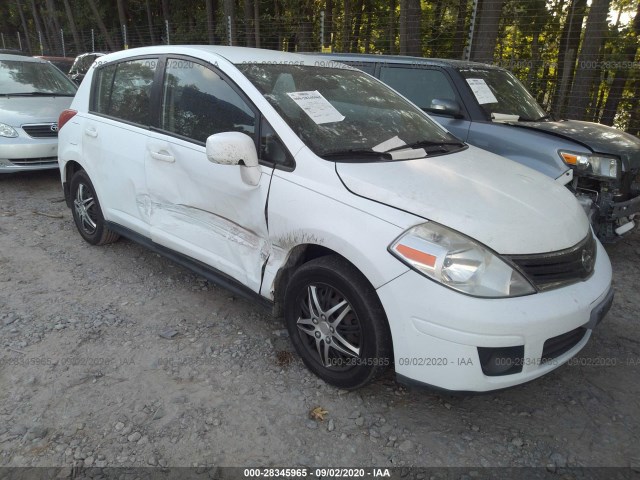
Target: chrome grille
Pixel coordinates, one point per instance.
(557, 269)
(41, 130)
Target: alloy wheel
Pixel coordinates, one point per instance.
(329, 327)
(85, 208)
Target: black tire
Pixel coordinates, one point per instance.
(322, 338)
(87, 213)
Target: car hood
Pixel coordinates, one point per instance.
(598, 138)
(506, 206)
(18, 111)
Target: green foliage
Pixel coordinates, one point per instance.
(528, 39)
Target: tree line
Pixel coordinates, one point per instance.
(580, 59)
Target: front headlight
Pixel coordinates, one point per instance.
(597, 165)
(458, 262)
(7, 131)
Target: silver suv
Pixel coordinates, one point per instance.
(33, 93)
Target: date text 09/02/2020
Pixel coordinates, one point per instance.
(315, 472)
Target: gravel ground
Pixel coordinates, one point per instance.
(87, 379)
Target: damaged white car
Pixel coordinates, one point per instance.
(382, 239)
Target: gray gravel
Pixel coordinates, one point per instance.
(88, 378)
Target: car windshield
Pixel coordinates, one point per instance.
(33, 78)
(344, 111)
(501, 95)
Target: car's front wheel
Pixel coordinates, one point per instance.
(336, 322)
(87, 213)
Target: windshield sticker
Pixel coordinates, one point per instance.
(481, 90)
(393, 142)
(504, 117)
(410, 154)
(316, 106)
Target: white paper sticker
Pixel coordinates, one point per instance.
(410, 154)
(316, 106)
(481, 90)
(393, 142)
(503, 117)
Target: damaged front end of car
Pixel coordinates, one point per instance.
(608, 188)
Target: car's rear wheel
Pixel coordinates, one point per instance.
(336, 322)
(87, 213)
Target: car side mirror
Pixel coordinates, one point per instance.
(445, 106)
(235, 148)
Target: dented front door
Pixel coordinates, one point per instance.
(199, 208)
(206, 211)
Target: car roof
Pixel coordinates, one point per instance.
(236, 55)
(47, 57)
(98, 54)
(402, 59)
(21, 58)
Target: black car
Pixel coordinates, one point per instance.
(62, 63)
(82, 64)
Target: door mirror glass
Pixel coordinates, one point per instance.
(445, 106)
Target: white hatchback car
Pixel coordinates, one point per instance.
(321, 192)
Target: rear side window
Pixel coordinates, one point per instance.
(197, 102)
(102, 92)
(123, 90)
(420, 85)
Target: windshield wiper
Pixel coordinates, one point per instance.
(425, 143)
(355, 154)
(37, 94)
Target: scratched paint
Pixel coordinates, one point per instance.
(143, 202)
(296, 237)
(209, 211)
(203, 230)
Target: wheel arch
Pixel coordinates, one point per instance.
(298, 256)
(70, 169)
(348, 286)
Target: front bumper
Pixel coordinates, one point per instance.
(437, 332)
(625, 209)
(612, 220)
(37, 154)
(617, 219)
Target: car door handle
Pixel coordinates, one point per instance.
(163, 157)
(91, 132)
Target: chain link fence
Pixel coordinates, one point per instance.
(578, 62)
